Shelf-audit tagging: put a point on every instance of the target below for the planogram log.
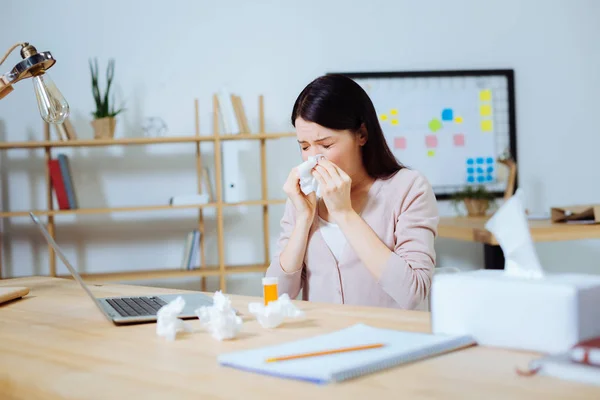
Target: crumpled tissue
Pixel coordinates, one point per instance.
(220, 319)
(273, 314)
(309, 183)
(167, 324)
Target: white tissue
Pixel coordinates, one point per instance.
(167, 324)
(309, 183)
(510, 227)
(273, 314)
(220, 318)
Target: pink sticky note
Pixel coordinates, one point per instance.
(400, 143)
(431, 141)
(459, 139)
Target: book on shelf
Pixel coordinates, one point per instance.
(232, 113)
(62, 182)
(191, 251)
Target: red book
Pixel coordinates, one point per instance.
(58, 184)
(587, 352)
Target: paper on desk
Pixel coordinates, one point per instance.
(168, 324)
(273, 314)
(220, 319)
(510, 227)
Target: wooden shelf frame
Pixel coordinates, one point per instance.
(202, 270)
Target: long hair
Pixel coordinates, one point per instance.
(339, 103)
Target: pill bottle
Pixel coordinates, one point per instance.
(270, 292)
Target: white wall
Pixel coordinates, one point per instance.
(168, 53)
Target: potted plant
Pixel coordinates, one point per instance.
(104, 122)
(477, 200)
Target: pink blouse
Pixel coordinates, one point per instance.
(402, 211)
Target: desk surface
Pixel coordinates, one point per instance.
(472, 229)
(54, 343)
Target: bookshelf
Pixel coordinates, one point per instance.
(220, 270)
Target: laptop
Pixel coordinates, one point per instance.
(129, 309)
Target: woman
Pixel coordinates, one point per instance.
(369, 239)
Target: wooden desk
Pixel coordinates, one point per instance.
(472, 229)
(54, 343)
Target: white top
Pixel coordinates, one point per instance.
(334, 237)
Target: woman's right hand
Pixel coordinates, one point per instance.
(305, 205)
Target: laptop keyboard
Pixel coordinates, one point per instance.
(136, 306)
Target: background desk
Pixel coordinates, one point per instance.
(472, 229)
(55, 344)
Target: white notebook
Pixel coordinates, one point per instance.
(399, 347)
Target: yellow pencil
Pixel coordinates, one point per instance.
(325, 352)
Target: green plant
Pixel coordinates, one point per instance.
(104, 108)
(471, 192)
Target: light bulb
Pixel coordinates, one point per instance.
(54, 109)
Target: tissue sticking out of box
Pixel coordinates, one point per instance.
(510, 227)
(273, 314)
(220, 319)
(168, 324)
(309, 183)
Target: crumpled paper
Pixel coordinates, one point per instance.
(167, 324)
(220, 319)
(510, 227)
(309, 183)
(273, 314)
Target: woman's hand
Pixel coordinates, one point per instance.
(305, 205)
(335, 188)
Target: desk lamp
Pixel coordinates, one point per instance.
(51, 103)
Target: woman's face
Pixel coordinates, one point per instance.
(340, 147)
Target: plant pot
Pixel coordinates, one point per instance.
(476, 207)
(104, 128)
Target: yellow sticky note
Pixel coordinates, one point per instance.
(384, 117)
(458, 120)
(393, 111)
(485, 95)
(430, 153)
(394, 122)
(485, 110)
(486, 125)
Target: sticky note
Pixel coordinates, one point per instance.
(393, 111)
(486, 125)
(400, 143)
(447, 114)
(485, 110)
(383, 117)
(480, 170)
(435, 125)
(430, 153)
(459, 139)
(470, 179)
(490, 178)
(470, 161)
(479, 160)
(431, 141)
(458, 120)
(485, 95)
(480, 179)
(470, 170)
(394, 121)
(490, 160)
(490, 170)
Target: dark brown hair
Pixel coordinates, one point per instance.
(338, 102)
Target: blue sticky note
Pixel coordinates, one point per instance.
(470, 179)
(490, 160)
(480, 170)
(490, 178)
(447, 114)
(490, 169)
(470, 161)
(480, 179)
(479, 160)
(470, 170)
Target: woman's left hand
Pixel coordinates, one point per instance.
(335, 187)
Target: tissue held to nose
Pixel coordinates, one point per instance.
(309, 183)
(220, 319)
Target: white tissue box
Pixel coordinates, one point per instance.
(548, 314)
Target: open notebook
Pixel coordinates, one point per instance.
(399, 347)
